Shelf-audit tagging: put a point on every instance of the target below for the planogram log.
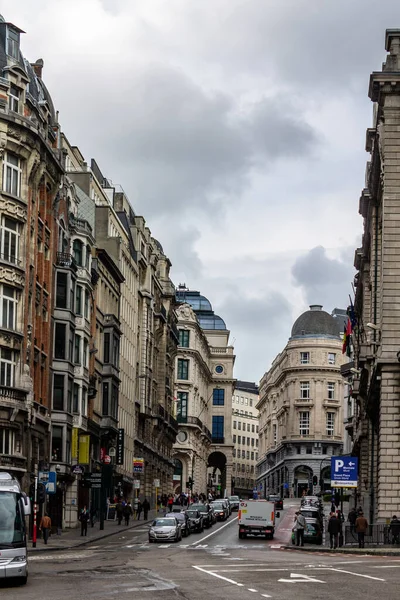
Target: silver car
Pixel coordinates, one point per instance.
(165, 530)
(183, 519)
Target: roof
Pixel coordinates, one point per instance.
(316, 323)
(202, 308)
(246, 386)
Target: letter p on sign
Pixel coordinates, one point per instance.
(338, 465)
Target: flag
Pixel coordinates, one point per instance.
(346, 348)
(352, 314)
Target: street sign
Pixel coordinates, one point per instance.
(138, 465)
(344, 471)
(49, 478)
(112, 451)
(92, 480)
(120, 446)
(78, 470)
(156, 483)
(136, 484)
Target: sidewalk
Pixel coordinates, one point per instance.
(373, 551)
(72, 538)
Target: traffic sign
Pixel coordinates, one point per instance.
(49, 479)
(156, 483)
(107, 459)
(344, 471)
(136, 484)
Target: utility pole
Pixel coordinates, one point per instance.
(35, 510)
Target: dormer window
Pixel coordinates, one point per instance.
(13, 43)
(13, 98)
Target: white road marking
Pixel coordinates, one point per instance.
(356, 574)
(299, 578)
(219, 576)
(251, 590)
(265, 596)
(75, 556)
(214, 532)
(386, 567)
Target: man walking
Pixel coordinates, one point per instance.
(352, 517)
(361, 529)
(395, 530)
(119, 511)
(84, 518)
(334, 527)
(45, 527)
(146, 508)
(127, 512)
(299, 527)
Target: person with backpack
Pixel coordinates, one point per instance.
(299, 526)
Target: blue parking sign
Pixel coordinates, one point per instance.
(344, 471)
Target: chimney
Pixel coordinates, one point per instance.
(316, 307)
(38, 67)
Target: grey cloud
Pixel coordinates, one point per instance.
(323, 279)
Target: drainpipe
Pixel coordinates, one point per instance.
(371, 492)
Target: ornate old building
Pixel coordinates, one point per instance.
(301, 408)
(203, 387)
(31, 174)
(245, 438)
(375, 424)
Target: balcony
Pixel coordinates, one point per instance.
(13, 463)
(80, 225)
(303, 402)
(207, 433)
(349, 424)
(226, 351)
(12, 260)
(13, 397)
(217, 440)
(161, 313)
(65, 259)
(173, 423)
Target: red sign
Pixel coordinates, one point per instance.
(102, 454)
(107, 459)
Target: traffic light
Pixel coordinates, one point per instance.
(315, 480)
(190, 483)
(32, 492)
(41, 493)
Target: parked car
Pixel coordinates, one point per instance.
(277, 499)
(234, 501)
(183, 519)
(177, 508)
(312, 512)
(165, 530)
(220, 509)
(195, 519)
(207, 513)
(311, 501)
(227, 504)
(313, 533)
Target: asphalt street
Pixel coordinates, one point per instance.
(211, 564)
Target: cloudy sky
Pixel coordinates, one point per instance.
(236, 127)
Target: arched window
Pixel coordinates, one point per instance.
(77, 249)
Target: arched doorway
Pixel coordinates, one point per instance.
(217, 473)
(326, 478)
(302, 480)
(177, 476)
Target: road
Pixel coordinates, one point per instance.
(212, 564)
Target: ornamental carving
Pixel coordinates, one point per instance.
(10, 340)
(14, 133)
(13, 209)
(8, 275)
(185, 311)
(3, 143)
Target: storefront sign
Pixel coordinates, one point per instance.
(74, 443)
(136, 484)
(84, 448)
(138, 465)
(120, 446)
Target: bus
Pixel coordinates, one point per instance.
(14, 507)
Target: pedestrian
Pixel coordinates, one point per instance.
(334, 527)
(337, 500)
(170, 502)
(299, 527)
(146, 508)
(394, 529)
(351, 517)
(139, 509)
(127, 512)
(45, 527)
(361, 529)
(84, 518)
(359, 511)
(119, 511)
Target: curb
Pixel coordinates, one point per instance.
(89, 540)
(354, 551)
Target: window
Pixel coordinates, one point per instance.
(248, 454)
(13, 98)
(234, 456)
(234, 440)
(78, 300)
(305, 390)
(274, 433)
(304, 358)
(253, 428)
(86, 304)
(252, 441)
(246, 401)
(75, 402)
(234, 424)
(13, 43)
(84, 401)
(252, 456)
(8, 306)
(115, 351)
(71, 344)
(184, 338)
(61, 290)
(182, 406)
(331, 358)
(77, 250)
(248, 441)
(240, 425)
(105, 398)
(243, 454)
(248, 426)
(241, 400)
(218, 429)
(251, 402)
(7, 441)
(12, 174)
(256, 455)
(87, 257)
(257, 443)
(60, 333)
(243, 467)
(56, 443)
(58, 392)
(106, 347)
(9, 240)
(85, 353)
(77, 350)
(7, 367)
(183, 368)
(304, 422)
(330, 423)
(331, 390)
(256, 428)
(218, 397)
(308, 450)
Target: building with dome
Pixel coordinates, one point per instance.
(301, 407)
(203, 451)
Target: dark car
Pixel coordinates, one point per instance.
(220, 510)
(313, 532)
(277, 499)
(207, 513)
(234, 501)
(196, 520)
(183, 520)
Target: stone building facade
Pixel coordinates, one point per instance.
(301, 408)
(245, 438)
(203, 389)
(376, 389)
